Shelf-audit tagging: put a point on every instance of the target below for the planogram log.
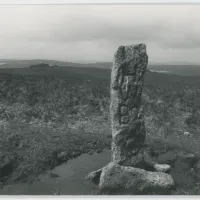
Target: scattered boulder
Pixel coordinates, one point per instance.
(117, 179)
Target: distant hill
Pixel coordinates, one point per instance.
(43, 65)
(27, 63)
(183, 70)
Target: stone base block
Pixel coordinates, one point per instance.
(123, 180)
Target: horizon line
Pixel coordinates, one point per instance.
(92, 62)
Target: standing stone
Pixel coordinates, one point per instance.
(127, 172)
(127, 119)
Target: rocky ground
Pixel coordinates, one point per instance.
(47, 121)
(26, 150)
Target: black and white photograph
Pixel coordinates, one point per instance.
(100, 99)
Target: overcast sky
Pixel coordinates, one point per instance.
(87, 33)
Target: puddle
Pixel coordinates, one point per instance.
(180, 169)
(181, 174)
(71, 180)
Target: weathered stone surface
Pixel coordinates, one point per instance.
(128, 129)
(165, 168)
(95, 176)
(117, 179)
(127, 174)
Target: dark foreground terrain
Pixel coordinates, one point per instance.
(50, 116)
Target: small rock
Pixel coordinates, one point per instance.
(117, 179)
(186, 133)
(63, 156)
(162, 168)
(94, 176)
(98, 151)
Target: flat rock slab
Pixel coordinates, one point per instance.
(123, 180)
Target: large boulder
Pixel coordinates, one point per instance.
(117, 179)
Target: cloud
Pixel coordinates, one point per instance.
(93, 32)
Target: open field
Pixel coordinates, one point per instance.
(48, 116)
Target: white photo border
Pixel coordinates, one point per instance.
(40, 2)
(85, 2)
